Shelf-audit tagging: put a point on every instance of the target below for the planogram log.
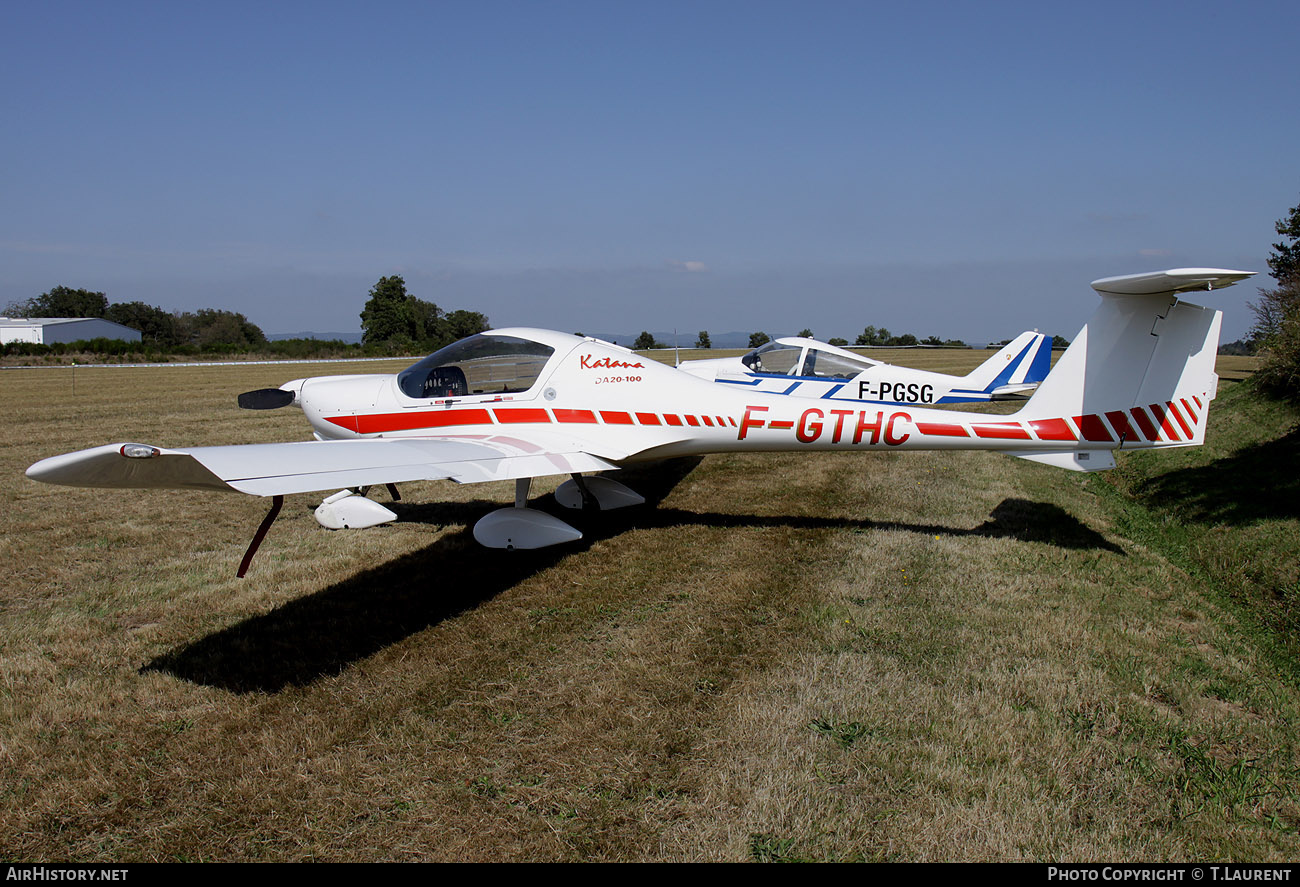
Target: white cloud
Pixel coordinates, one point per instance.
(688, 267)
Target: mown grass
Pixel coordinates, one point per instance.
(1228, 512)
(836, 657)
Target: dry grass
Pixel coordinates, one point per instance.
(832, 657)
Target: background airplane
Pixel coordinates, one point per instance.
(515, 404)
(804, 367)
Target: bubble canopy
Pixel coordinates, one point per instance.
(805, 357)
(484, 364)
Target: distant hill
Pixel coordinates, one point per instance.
(683, 339)
(350, 338)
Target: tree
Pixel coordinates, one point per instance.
(156, 326)
(1284, 264)
(758, 339)
(702, 341)
(389, 314)
(397, 319)
(1060, 342)
(837, 342)
(1271, 312)
(461, 323)
(805, 334)
(1277, 315)
(1276, 305)
(645, 341)
(1276, 335)
(62, 302)
(882, 336)
(393, 316)
(210, 326)
(907, 340)
(428, 323)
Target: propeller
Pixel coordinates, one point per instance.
(265, 399)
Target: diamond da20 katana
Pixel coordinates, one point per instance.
(514, 404)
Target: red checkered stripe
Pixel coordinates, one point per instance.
(422, 420)
(1169, 422)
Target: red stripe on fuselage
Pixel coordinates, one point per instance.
(1002, 430)
(378, 423)
(511, 416)
(942, 430)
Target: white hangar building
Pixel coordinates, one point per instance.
(50, 330)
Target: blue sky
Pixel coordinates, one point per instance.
(955, 169)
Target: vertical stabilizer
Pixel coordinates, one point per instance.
(1021, 363)
(1141, 371)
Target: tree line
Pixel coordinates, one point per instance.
(1275, 337)
(869, 336)
(393, 322)
(159, 329)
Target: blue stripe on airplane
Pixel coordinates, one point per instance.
(1005, 376)
(1042, 364)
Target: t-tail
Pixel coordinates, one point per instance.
(1013, 372)
(1139, 375)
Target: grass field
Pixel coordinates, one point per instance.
(833, 656)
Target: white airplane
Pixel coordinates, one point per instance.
(514, 404)
(804, 367)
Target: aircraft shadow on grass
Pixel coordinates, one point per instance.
(322, 634)
(1256, 483)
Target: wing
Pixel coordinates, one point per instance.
(283, 468)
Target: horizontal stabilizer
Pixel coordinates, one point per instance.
(1013, 392)
(1171, 282)
(1079, 460)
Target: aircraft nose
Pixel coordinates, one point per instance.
(331, 403)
